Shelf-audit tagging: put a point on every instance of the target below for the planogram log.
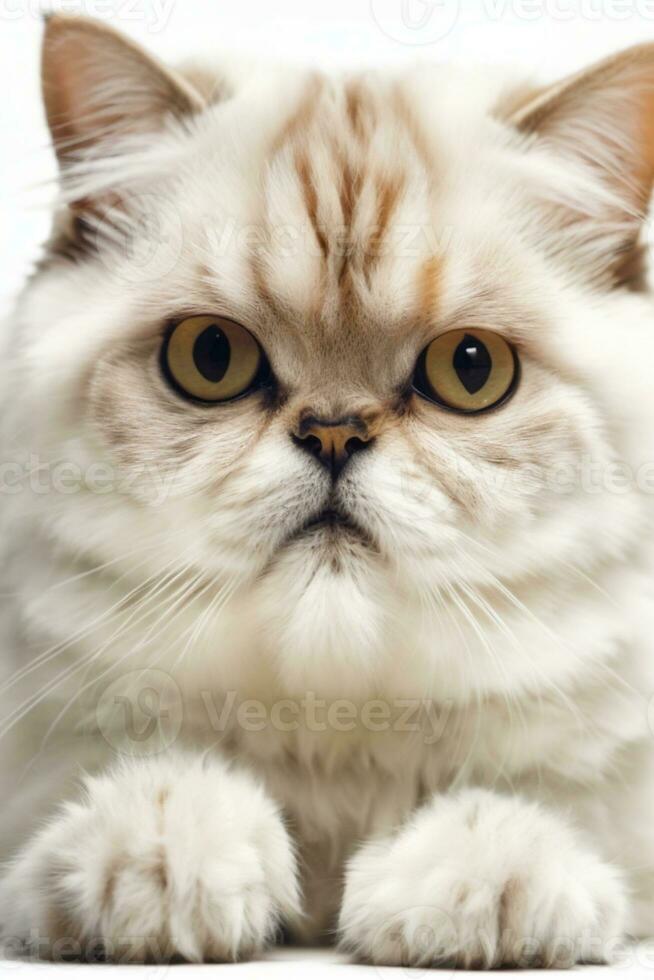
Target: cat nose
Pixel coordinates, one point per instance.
(332, 441)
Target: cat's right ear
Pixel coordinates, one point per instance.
(602, 120)
(99, 87)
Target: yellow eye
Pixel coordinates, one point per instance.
(467, 370)
(211, 358)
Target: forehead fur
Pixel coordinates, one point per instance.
(349, 172)
(355, 203)
(328, 197)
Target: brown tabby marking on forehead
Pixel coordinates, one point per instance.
(350, 188)
(430, 284)
(354, 104)
(389, 193)
(310, 194)
(350, 191)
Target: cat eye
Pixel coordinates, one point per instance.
(212, 359)
(467, 371)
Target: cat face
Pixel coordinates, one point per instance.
(345, 324)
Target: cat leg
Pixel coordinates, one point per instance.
(160, 858)
(479, 879)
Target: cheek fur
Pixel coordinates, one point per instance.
(230, 471)
(443, 491)
(144, 425)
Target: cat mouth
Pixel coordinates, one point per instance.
(332, 521)
(329, 517)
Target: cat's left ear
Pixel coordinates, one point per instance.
(99, 86)
(603, 118)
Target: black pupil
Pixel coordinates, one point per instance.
(472, 363)
(211, 353)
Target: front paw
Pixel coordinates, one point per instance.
(481, 880)
(161, 859)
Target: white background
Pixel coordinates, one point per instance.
(543, 37)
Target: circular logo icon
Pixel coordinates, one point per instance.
(415, 22)
(141, 712)
(423, 935)
(137, 241)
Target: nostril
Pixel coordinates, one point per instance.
(311, 444)
(355, 445)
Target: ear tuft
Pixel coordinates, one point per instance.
(99, 86)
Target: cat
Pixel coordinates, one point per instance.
(327, 469)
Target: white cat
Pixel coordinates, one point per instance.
(327, 471)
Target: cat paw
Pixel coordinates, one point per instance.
(481, 880)
(160, 860)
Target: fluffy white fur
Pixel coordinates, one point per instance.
(495, 806)
(123, 862)
(542, 896)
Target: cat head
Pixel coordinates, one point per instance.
(349, 342)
